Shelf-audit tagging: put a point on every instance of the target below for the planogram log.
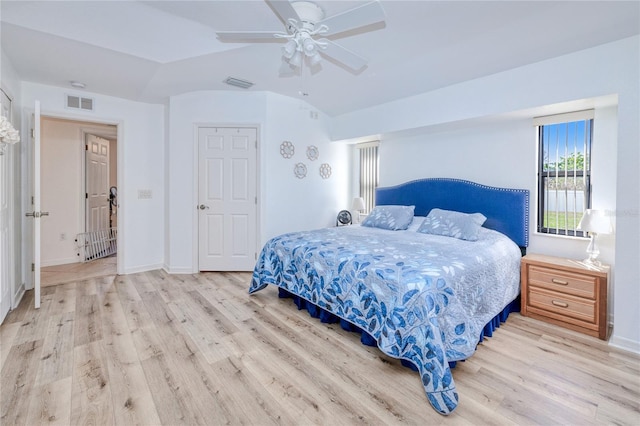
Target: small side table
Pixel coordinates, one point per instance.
(565, 292)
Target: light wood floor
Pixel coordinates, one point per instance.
(152, 348)
(60, 274)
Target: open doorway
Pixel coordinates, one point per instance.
(79, 190)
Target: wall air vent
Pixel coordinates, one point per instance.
(244, 84)
(78, 102)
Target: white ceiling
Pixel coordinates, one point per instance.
(149, 50)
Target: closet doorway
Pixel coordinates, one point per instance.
(79, 190)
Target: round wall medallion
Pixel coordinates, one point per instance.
(300, 170)
(325, 171)
(312, 153)
(287, 149)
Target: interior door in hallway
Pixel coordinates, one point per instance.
(97, 183)
(227, 198)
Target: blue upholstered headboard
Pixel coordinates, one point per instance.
(507, 210)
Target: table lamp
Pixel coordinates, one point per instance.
(594, 222)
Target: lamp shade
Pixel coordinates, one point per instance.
(595, 221)
(357, 204)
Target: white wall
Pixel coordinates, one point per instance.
(434, 144)
(140, 167)
(286, 203)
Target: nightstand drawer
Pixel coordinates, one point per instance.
(565, 305)
(562, 281)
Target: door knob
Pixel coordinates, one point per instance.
(202, 207)
(37, 214)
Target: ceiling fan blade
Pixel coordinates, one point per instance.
(342, 55)
(369, 13)
(235, 36)
(284, 10)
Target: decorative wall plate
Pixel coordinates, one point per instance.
(312, 152)
(300, 170)
(287, 149)
(325, 170)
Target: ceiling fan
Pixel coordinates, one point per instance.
(306, 29)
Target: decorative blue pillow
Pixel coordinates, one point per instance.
(464, 226)
(394, 218)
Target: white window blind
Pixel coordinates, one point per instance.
(368, 172)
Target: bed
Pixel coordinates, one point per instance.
(423, 297)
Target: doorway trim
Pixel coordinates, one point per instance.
(196, 157)
(27, 179)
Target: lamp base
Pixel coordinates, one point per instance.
(592, 262)
(593, 252)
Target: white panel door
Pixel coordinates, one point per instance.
(97, 183)
(36, 214)
(227, 198)
(5, 218)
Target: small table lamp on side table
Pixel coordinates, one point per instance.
(594, 222)
(357, 206)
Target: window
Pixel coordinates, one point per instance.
(368, 173)
(564, 171)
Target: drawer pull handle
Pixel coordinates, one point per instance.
(557, 281)
(561, 304)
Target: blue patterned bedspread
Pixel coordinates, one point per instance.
(424, 298)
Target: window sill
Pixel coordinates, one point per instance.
(563, 237)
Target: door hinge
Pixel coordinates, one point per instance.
(256, 200)
(86, 195)
(255, 256)
(33, 134)
(32, 200)
(256, 141)
(33, 267)
(86, 147)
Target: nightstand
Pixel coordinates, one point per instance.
(565, 292)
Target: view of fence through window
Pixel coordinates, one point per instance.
(564, 176)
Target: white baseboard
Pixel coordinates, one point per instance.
(142, 268)
(625, 344)
(56, 262)
(19, 293)
(178, 270)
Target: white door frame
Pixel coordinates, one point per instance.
(27, 179)
(196, 148)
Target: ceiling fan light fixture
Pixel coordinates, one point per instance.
(296, 59)
(315, 59)
(243, 84)
(309, 46)
(289, 49)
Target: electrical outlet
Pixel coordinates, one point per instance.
(144, 194)
(63, 236)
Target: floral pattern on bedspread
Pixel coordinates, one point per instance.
(424, 298)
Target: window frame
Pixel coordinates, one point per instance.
(542, 174)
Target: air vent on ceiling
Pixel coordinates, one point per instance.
(78, 102)
(238, 82)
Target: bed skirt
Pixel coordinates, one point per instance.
(367, 339)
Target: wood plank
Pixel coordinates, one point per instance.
(57, 350)
(91, 392)
(17, 378)
(252, 404)
(7, 335)
(87, 321)
(51, 403)
(132, 399)
(64, 298)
